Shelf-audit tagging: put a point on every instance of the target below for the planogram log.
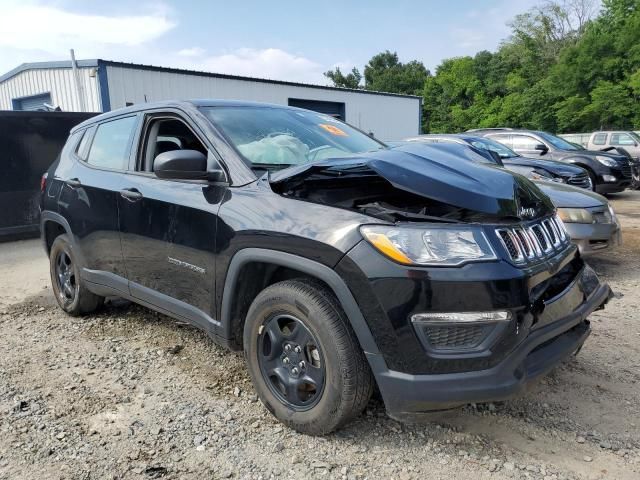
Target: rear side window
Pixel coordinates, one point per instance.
(112, 143)
(600, 139)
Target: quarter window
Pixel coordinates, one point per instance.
(83, 146)
(600, 139)
(111, 144)
(622, 139)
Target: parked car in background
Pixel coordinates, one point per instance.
(335, 263)
(534, 168)
(623, 142)
(605, 140)
(589, 218)
(610, 173)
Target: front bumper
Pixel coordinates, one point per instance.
(594, 237)
(407, 396)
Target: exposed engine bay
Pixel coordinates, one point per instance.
(401, 185)
(375, 196)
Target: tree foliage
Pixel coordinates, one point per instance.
(350, 80)
(563, 69)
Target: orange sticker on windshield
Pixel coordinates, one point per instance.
(333, 130)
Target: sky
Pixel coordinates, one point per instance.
(277, 39)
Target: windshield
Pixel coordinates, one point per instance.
(557, 141)
(635, 136)
(275, 138)
(491, 145)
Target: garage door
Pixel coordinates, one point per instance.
(33, 103)
(335, 109)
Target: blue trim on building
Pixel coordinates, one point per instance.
(103, 85)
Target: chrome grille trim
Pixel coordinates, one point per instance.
(534, 242)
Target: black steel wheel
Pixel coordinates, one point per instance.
(65, 275)
(303, 357)
(68, 288)
(291, 361)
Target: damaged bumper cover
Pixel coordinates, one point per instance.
(406, 396)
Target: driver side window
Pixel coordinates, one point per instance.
(165, 134)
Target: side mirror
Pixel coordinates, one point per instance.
(541, 147)
(496, 157)
(185, 165)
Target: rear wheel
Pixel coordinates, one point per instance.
(68, 288)
(304, 359)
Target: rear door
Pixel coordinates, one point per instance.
(168, 227)
(91, 182)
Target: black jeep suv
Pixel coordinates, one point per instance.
(335, 263)
(609, 172)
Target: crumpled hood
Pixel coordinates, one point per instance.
(566, 196)
(437, 175)
(557, 168)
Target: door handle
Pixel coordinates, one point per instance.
(74, 182)
(131, 194)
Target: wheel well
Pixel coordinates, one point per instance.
(52, 230)
(586, 167)
(252, 279)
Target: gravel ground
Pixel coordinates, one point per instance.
(131, 394)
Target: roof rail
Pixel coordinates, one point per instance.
(490, 128)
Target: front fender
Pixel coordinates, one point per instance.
(309, 267)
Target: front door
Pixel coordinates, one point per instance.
(168, 228)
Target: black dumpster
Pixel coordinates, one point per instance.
(29, 143)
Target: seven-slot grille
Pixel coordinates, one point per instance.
(581, 180)
(535, 241)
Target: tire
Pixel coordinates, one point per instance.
(68, 287)
(334, 382)
(593, 180)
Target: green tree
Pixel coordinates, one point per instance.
(385, 73)
(350, 80)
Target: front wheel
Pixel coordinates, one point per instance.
(304, 359)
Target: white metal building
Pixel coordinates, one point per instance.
(103, 85)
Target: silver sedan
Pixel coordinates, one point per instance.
(590, 220)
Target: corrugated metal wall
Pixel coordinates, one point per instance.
(58, 81)
(388, 117)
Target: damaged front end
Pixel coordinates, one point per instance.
(484, 291)
(404, 184)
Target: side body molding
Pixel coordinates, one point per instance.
(315, 269)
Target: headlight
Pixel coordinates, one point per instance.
(609, 162)
(559, 180)
(537, 175)
(614, 218)
(434, 245)
(575, 215)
